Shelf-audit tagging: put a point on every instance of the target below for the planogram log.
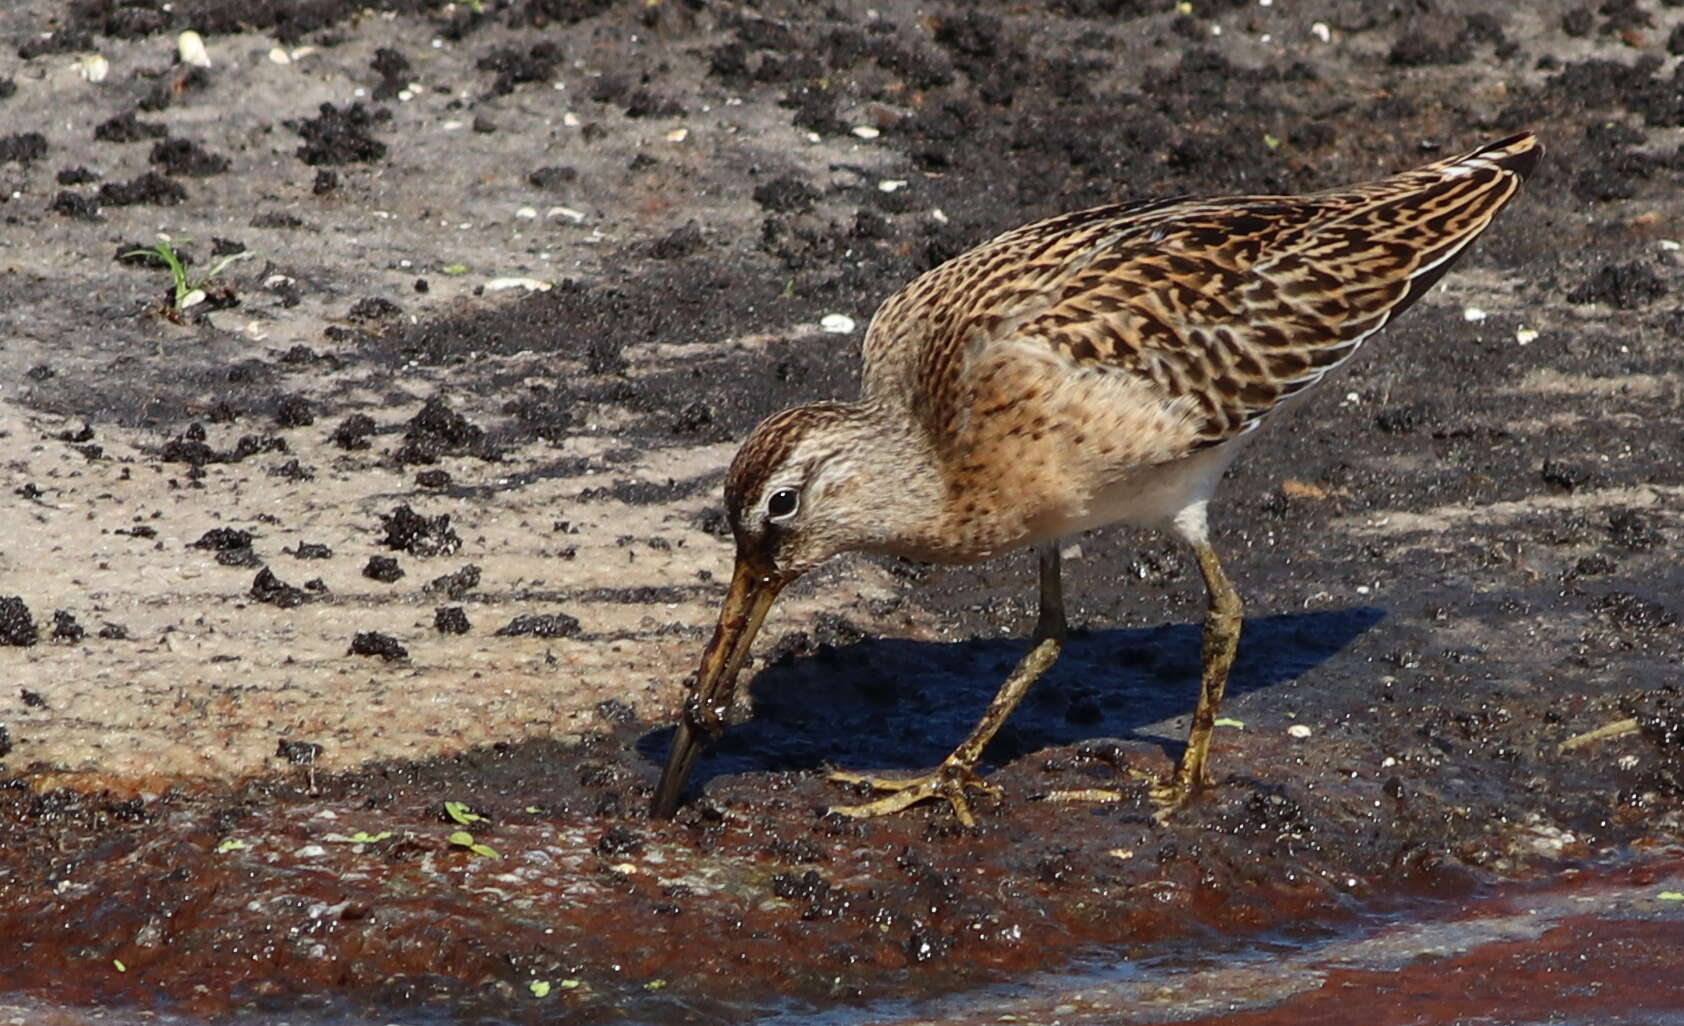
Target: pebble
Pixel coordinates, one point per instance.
(1298, 730)
(837, 324)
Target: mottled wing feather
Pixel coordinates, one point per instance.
(1226, 305)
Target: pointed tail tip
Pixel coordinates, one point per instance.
(1518, 154)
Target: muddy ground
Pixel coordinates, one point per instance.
(420, 504)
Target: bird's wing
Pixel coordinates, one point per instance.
(1228, 306)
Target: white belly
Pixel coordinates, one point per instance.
(1169, 496)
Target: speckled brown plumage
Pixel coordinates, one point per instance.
(1229, 304)
(1097, 367)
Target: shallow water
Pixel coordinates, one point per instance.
(1594, 948)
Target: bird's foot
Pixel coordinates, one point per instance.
(1172, 794)
(950, 780)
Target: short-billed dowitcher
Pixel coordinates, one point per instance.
(1099, 367)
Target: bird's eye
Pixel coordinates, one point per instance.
(781, 505)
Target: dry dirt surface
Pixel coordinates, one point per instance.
(420, 503)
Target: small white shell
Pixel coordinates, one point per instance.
(93, 67)
(191, 48)
(837, 324)
(529, 284)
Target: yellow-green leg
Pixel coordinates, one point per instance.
(1221, 638)
(957, 772)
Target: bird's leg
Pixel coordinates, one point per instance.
(957, 772)
(1050, 623)
(1221, 639)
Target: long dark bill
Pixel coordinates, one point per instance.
(751, 594)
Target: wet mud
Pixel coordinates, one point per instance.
(346, 611)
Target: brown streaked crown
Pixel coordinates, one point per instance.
(768, 448)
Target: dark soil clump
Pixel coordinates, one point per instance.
(269, 589)
(409, 531)
(294, 411)
(17, 626)
(451, 620)
(540, 625)
(457, 584)
(186, 157)
(374, 643)
(384, 569)
(150, 188)
(126, 128)
(436, 431)
(1622, 286)
(66, 629)
(23, 148)
(223, 539)
(75, 204)
(339, 137)
(352, 432)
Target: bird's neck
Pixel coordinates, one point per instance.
(897, 475)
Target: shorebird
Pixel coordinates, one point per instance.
(1103, 366)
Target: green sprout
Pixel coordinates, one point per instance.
(462, 813)
(463, 839)
(360, 837)
(188, 291)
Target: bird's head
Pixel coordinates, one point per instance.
(800, 490)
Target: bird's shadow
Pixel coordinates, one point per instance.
(883, 703)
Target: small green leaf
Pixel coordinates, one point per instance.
(231, 844)
(533, 810)
(1671, 895)
(1229, 721)
(654, 985)
(119, 964)
(463, 839)
(539, 988)
(1271, 142)
(462, 813)
(454, 269)
(363, 837)
(571, 984)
